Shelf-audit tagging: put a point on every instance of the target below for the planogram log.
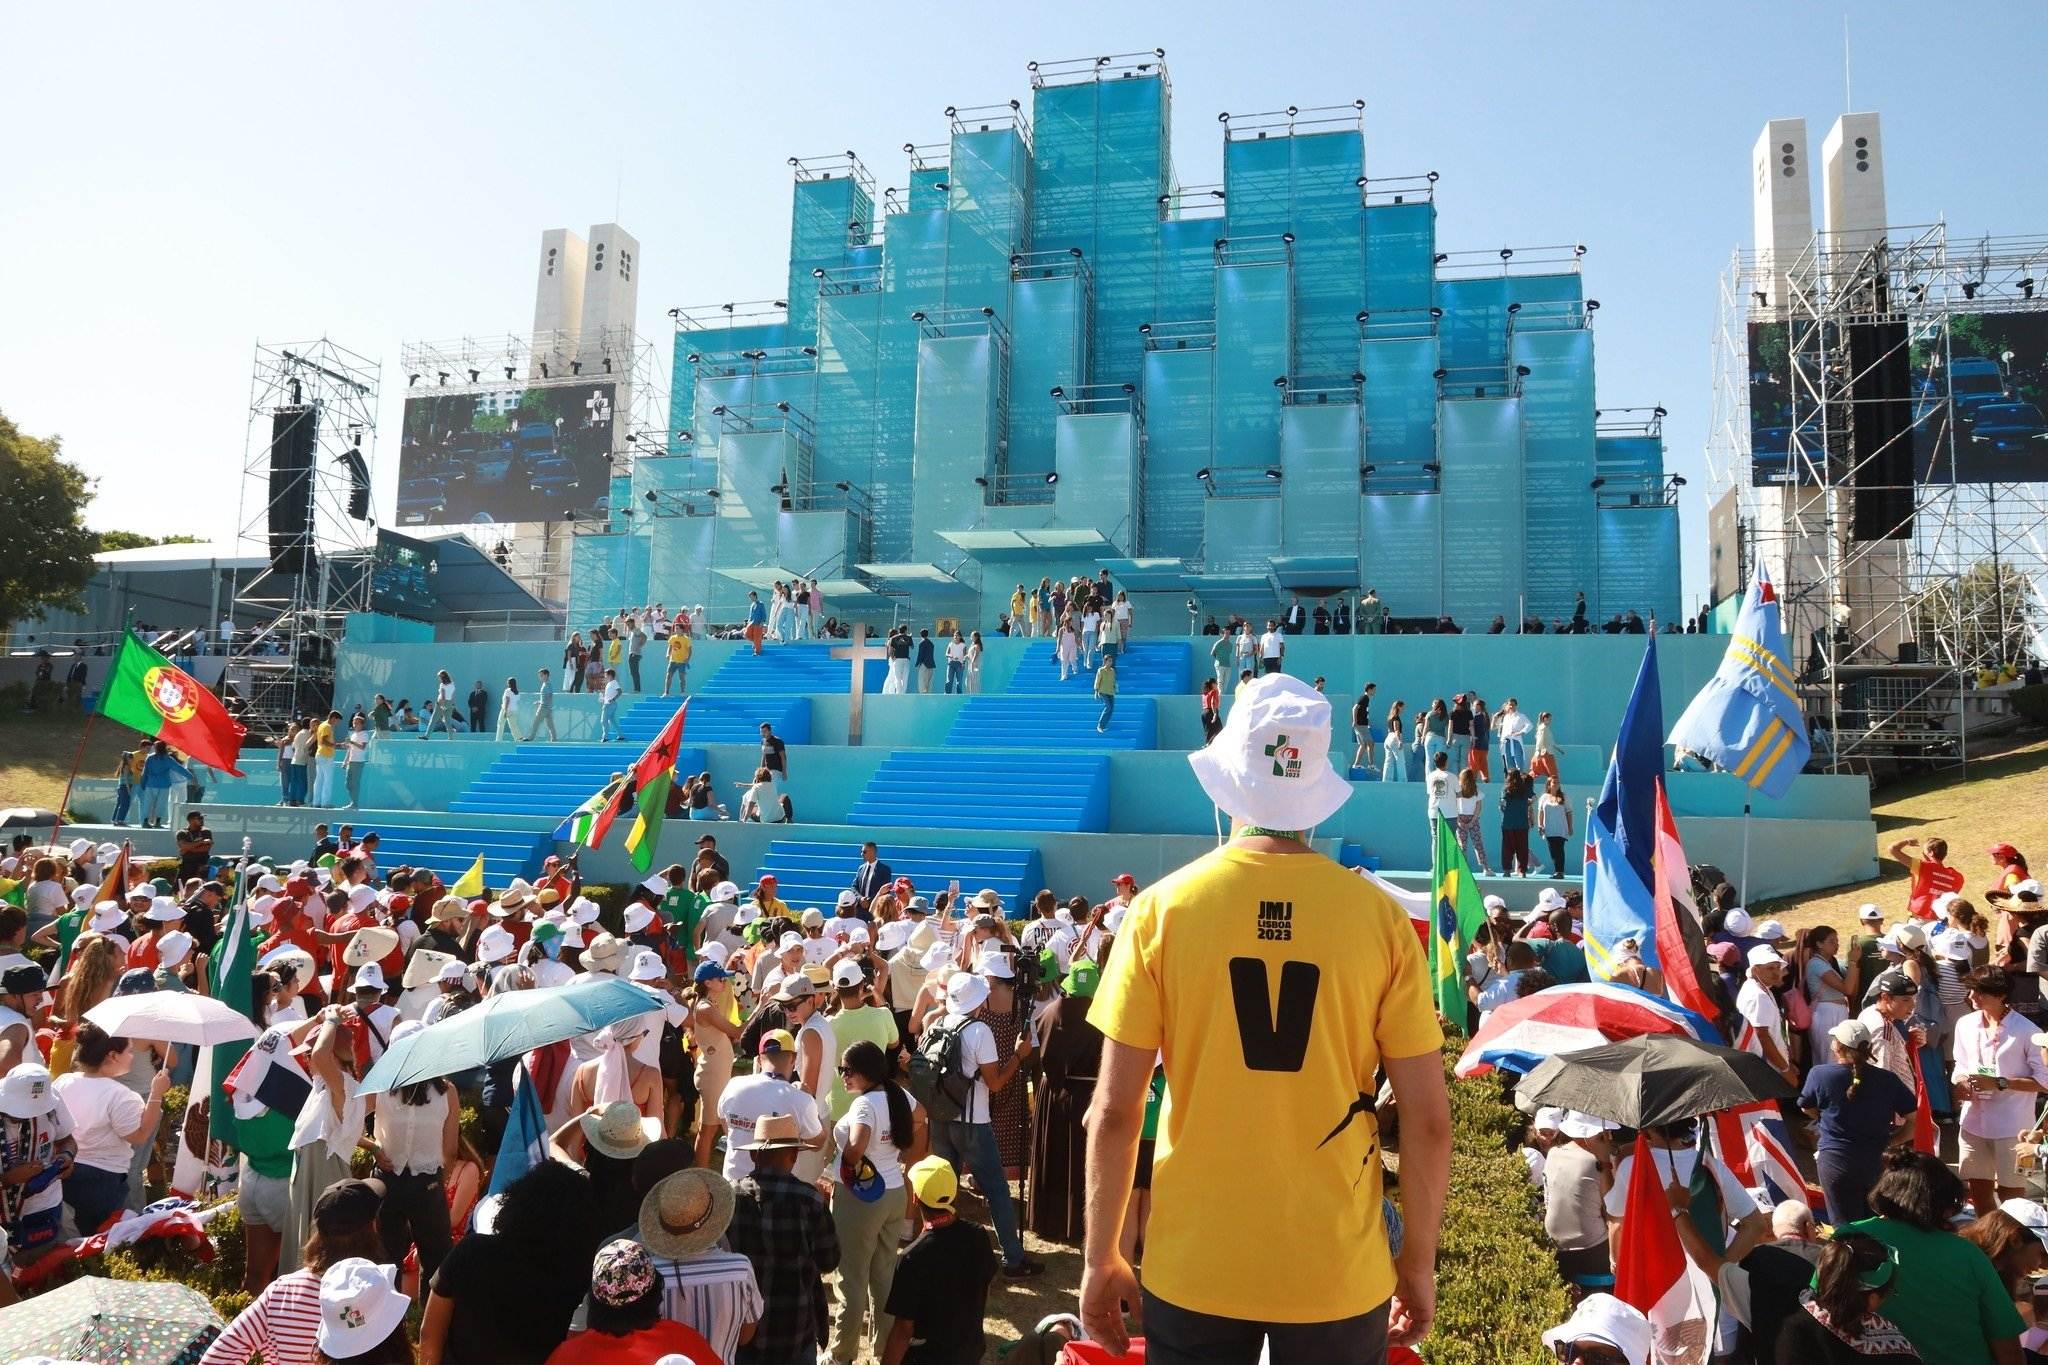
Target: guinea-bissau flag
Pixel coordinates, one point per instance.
(146, 691)
(645, 793)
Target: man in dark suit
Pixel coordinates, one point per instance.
(1296, 618)
(871, 876)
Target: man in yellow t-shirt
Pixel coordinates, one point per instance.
(1275, 985)
(678, 662)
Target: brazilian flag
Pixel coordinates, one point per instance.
(1455, 920)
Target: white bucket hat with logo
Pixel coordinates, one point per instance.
(1270, 764)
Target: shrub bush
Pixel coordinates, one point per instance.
(1497, 1286)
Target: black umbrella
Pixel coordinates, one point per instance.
(1655, 1079)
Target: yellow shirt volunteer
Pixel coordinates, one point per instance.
(679, 649)
(1273, 984)
(612, 650)
(323, 739)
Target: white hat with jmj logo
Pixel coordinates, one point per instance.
(1270, 764)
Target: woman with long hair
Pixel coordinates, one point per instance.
(974, 652)
(1838, 1322)
(1820, 977)
(1543, 763)
(1394, 751)
(1436, 725)
(573, 655)
(1946, 1297)
(1471, 837)
(418, 1132)
(882, 1135)
(1482, 740)
(1460, 727)
(1418, 745)
(2014, 1248)
(1862, 1107)
(96, 966)
(714, 1026)
(1514, 823)
(1554, 822)
(508, 710)
(505, 1297)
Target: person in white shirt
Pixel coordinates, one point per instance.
(608, 708)
(969, 1142)
(1272, 647)
(1440, 795)
(1091, 633)
(1762, 1030)
(508, 706)
(444, 707)
(770, 1090)
(1511, 727)
(817, 1055)
(109, 1121)
(1999, 1070)
(839, 929)
(956, 663)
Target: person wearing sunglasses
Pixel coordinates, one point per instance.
(1602, 1330)
(1840, 1323)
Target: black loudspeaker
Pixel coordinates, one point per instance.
(294, 436)
(1909, 651)
(358, 482)
(1881, 432)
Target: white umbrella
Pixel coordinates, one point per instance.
(172, 1017)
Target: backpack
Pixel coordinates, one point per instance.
(937, 1073)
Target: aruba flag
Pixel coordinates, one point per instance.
(1458, 913)
(1747, 719)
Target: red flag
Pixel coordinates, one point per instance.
(1681, 945)
(146, 691)
(1652, 1272)
(660, 758)
(1924, 1135)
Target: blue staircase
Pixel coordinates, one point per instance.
(813, 874)
(796, 670)
(953, 789)
(732, 719)
(449, 850)
(1143, 668)
(553, 779)
(1011, 721)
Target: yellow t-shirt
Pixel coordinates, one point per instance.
(679, 649)
(323, 739)
(1273, 984)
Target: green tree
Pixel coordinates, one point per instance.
(135, 540)
(49, 550)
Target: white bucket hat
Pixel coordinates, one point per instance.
(638, 917)
(494, 944)
(1609, 1321)
(360, 1307)
(1270, 764)
(965, 993)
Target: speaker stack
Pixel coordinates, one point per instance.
(294, 440)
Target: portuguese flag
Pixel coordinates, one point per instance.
(147, 692)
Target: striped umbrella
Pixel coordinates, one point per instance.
(1523, 1032)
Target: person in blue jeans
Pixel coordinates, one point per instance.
(159, 771)
(969, 1142)
(608, 708)
(1105, 688)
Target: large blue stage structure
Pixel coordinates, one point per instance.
(1045, 354)
(1012, 787)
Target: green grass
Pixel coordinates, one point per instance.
(37, 751)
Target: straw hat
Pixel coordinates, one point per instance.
(372, 943)
(449, 910)
(424, 968)
(775, 1133)
(605, 953)
(618, 1131)
(1270, 764)
(686, 1213)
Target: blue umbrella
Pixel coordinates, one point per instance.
(506, 1026)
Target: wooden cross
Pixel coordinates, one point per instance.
(859, 652)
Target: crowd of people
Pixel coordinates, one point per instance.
(1903, 1042)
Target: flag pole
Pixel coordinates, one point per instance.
(1744, 886)
(77, 757)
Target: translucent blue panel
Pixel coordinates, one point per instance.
(913, 279)
(1098, 468)
(749, 463)
(849, 334)
(1557, 444)
(990, 218)
(863, 258)
(954, 440)
(1131, 175)
(929, 188)
(808, 542)
(1064, 121)
(1402, 551)
(1254, 332)
(605, 573)
(1241, 535)
(683, 374)
(1400, 256)
(1400, 399)
(679, 559)
(1631, 461)
(1258, 178)
(1474, 330)
(1178, 388)
(1480, 445)
(620, 491)
(1187, 266)
(1308, 186)
(1638, 563)
(1319, 449)
(1047, 328)
(820, 225)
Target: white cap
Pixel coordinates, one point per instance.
(1548, 1118)
(847, 973)
(369, 976)
(1493, 903)
(647, 966)
(790, 939)
(1577, 1125)
(1851, 1033)
(715, 951)
(452, 970)
(1770, 931)
(1764, 955)
(2028, 1215)
(1738, 923)
(1870, 913)
(848, 900)
(724, 891)
(270, 881)
(966, 992)
(173, 947)
(996, 966)
(362, 896)
(360, 1307)
(638, 917)
(494, 944)
(1609, 1321)
(857, 934)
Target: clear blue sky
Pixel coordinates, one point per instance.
(178, 182)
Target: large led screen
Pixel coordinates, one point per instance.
(402, 576)
(537, 454)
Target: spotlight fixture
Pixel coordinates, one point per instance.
(1763, 300)
(1579, 250)
(1032, 67)
(1130, 389)
(1058, 391)
(843, 486)
(782, 303)
(1358, 105)
(1599, 483)
(1016, 261)
(941, 186)
(411, 380)
(726, 306)
(1659, 410)
(1016, 108)
(1521, 371)
(1431, 177)
(607, 364)
(1514, 308)
(1280, 381)
(444, 378)
(1075, 252)
(817, 272)
(1288, 238)
(1507, 252)
(1223, 118)
(917, 316)
(650, 495)
(987, 311)
(474, 375)
(543, 370)
(1592, 305)
(1144, 329)
(1360, 182)
(811, 351)
(951, 111)
(1202, 475)
(1970, 288)
(782, 406)
(1435, 313)
(1358, 376)
(693, 357)
(1218, 194)
(1159, 52)
(1432, 467)
(508, 371)
(1365, 470)
(1052, 476)
(718, 411)
(1273, 474)
(1362, 315)
(685, 437)
(1442, 256)
(1678, 480)
(1439, 373)
(2027, 287)
(1292, 111)
(980, 481)
(675, 312)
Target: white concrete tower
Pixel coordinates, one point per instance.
(557, 300)
(611, 296)
(1783, 204)
(1853, 211)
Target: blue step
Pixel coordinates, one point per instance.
(553, 779)
(793, 670)
(1143, 668)
(952, 789)
(734, 719)
(450, 850)
(813, 873)
(1010, 721)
